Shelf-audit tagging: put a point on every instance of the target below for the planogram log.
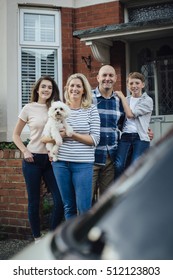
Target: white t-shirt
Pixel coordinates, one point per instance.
(35, 115)
(130, 125)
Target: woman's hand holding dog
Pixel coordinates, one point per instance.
(47, 139)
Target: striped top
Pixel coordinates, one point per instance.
(83, 121)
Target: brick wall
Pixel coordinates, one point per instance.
(13, 196)
(14, 201)
(98, 15)
(67, 15)
(73, 49)
(91, 17)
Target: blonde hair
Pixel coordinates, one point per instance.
(87, 96)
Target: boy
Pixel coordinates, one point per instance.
(138, 109)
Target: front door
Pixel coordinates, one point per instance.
(155, 61)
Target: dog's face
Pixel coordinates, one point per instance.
(59, 110)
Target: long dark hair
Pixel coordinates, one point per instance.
(55, 90)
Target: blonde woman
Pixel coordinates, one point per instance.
(74, 168)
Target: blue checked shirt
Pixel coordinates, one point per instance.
(110, 111)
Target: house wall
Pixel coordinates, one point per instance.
(9, 80)
(3, 69)
(13, 196)
(94, 16)
(73, 17)
(67, 19)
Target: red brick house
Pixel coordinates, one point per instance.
(55, 38)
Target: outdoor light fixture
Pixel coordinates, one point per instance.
(87, 61)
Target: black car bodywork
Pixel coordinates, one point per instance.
(132, 220)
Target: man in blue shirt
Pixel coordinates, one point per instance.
(111, 111)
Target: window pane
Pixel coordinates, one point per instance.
(36, 63)
(39, 28)
(47, 32)
(30, 21)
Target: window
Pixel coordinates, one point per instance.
(40, 51)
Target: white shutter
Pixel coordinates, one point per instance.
(39, 28)
(28, 74)
(36, 62)
(47, 28)
(48, 63)
(30, 28)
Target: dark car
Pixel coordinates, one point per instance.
(132, 220)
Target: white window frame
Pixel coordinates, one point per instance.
(40, 12)
(56, 45)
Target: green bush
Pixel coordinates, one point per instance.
(47, 204)
(10, 145)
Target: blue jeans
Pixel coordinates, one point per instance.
(75, 184)
(130, 147)
(33, 173)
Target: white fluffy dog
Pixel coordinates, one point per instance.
(57, 114)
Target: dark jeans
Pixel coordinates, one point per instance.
(130, 147)
(33, 173)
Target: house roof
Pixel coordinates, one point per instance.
(160, 27)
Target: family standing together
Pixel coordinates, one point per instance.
(106, 126)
